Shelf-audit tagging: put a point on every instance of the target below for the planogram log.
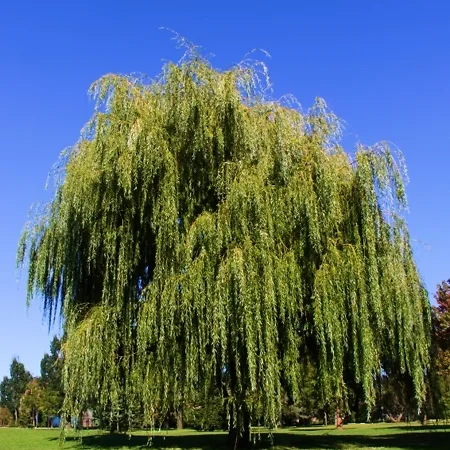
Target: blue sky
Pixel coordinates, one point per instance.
(383, 67)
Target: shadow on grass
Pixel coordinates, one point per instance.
(412, 440)
(422, 428)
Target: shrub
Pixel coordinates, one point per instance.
(206, 416)
(5, 417)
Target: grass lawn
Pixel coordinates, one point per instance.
(373, 436)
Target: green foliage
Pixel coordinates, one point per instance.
(308, 406)
(34, 400)
(12, 388)
(4, 393)
(51, 378)
(5, 417)
(207, 414)
(206, 238)
(51, 365)
(38, 403)
(30, 403)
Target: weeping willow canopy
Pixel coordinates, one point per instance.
(205, 238)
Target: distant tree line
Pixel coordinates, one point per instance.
(32, 401)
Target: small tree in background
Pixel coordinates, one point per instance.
(51, 379)
(31, 403)
(5, 417)
(12, 388)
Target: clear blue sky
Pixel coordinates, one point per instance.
(383, 66)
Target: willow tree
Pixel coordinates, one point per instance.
(205, 238)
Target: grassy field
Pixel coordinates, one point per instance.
(373, 436)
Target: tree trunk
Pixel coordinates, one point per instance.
(180, 418)
(16, 416)
(339, 421)
(239, 435)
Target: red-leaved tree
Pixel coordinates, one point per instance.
(441, 357)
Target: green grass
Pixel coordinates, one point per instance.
(373, 436)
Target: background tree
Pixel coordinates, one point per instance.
(440, 376)
(51, 365)
(5, 394)
(206, 238)
(442, 315)
(5, 417)
(30, 403)
(12, 388)
(51, 378)
(38, 404)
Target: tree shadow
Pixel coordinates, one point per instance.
(422, 428)
(412, 440)
(407, 441)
